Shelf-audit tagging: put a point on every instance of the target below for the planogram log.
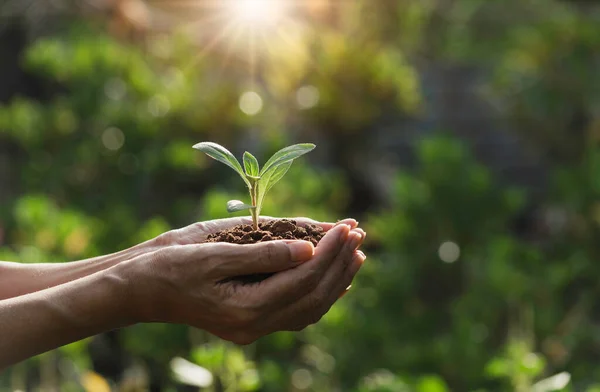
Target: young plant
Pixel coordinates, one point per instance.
(259, 181)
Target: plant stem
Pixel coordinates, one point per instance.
(254, 212)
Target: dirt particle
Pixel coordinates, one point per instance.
(283, 226)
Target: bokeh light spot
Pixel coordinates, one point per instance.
(326, 363)
(113, 138)
(307, 97)
(449, 252)
(115, 89)
(251, 103)
(159, 106)
(302, 379)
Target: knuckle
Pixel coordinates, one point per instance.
(235, 259)
(166, 239)
(198, 226)
(269, 251)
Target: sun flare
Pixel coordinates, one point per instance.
(239, 32)
(257, 13)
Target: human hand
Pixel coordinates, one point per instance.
(198, 232)
(191, 283)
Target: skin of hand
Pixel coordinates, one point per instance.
(19, 279)
(174, 279)
(193, 285)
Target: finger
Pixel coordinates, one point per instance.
(362, 232)
(341, 272)
(311, 308)
(345, 292)
(326, 226)
(234, 260)
(358, 259)
(353, 223)
(337, 278)
(288, 286)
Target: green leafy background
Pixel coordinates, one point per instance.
(101, 159)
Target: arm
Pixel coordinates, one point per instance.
(35, 323)
(19, 279)
(188, 284)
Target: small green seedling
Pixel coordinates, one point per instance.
(259, 181)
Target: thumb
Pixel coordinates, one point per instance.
(261, 258)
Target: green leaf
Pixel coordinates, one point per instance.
(285, 155)
(275, 175)
(251, 165)
(269, 179)
(236, 205)
(222, 155)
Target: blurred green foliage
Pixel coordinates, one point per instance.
(451, 297)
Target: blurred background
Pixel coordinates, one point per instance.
(462, 134)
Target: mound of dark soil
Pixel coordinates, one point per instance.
(279, 229)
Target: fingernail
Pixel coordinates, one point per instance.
(361, 255)
(355, 239)
(348, 221)
(301, 251)
(345, 233)
(345, 292)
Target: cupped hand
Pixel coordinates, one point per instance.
(192, 283)
(199, 231)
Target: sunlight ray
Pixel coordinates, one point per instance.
(211, 44)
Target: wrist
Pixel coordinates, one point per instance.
(120, 284)
(131, 253)
(146, 288)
